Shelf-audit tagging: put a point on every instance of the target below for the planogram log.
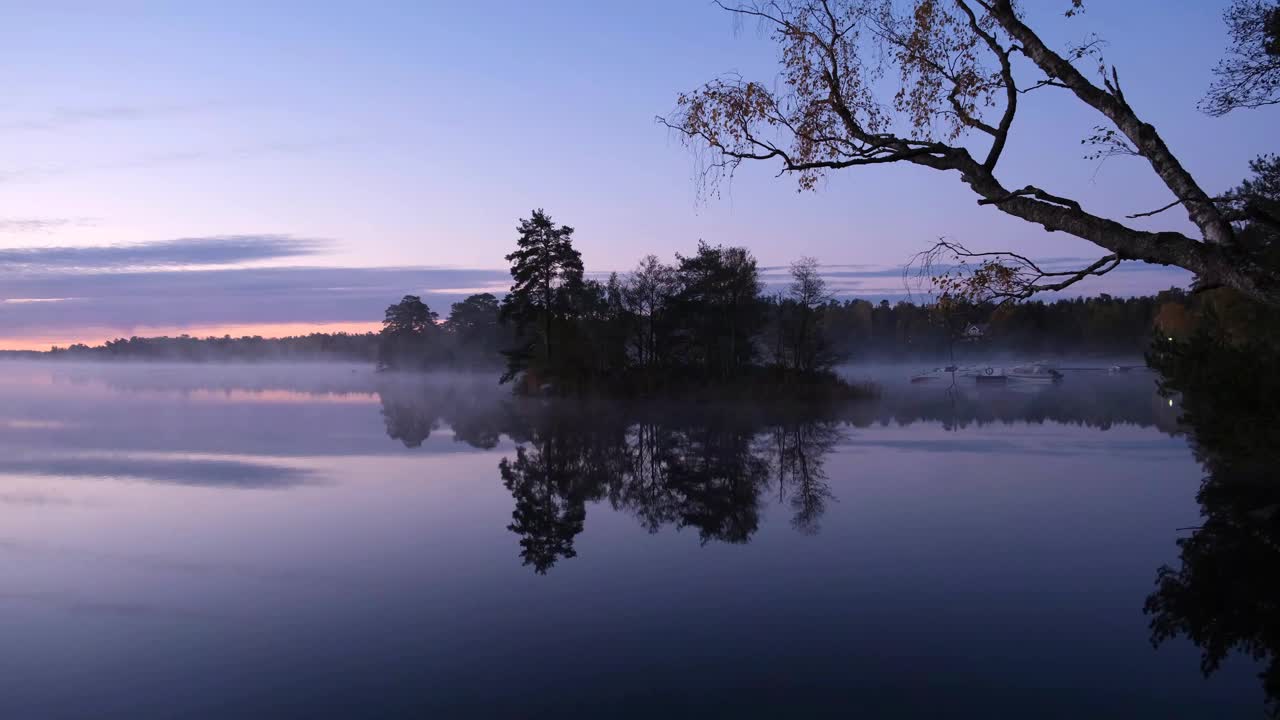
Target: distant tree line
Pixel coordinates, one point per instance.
(1101, 325)
(653, 321)
(355, 347)
(704, 318)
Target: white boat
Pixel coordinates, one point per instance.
(1035, 372)
(975, 373)
(984, 373)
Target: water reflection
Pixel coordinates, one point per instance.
(668, 466)
(1089, 398)
(436, 530)
(709, 469)
(802, 449)
(701, 470)
(1224, 595)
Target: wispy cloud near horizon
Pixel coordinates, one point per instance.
(176, 158)
(41, 225)
(91, 306)
(59, 118)
(194, 251)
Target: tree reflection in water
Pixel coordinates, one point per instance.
(669, 466)
(704, 470)
(1225, 593)
(709, 469)
(712, 470)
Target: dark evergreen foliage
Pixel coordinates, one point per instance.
(547, 289)
(409, 336)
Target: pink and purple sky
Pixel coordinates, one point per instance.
(231, 168)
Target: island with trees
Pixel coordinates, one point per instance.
(702, 324)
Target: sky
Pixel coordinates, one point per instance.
(273, 168)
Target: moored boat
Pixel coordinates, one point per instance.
(987, 374)
(1035, 372)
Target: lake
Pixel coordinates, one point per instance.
(320, 541)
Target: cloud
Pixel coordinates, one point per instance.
(215, 250)
(179, 157)
(35, 225)
(68, 116)
(114, 303)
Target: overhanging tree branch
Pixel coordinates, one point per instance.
(1112, 104)
(953, 62)
(950, 273)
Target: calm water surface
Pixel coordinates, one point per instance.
(322, 542)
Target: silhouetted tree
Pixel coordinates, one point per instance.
(408, 332)
(546, 270)
(1254, 209)
(809, 295)
(719, 308)
(952, 107)
(410, 316)
(1249, 76)
(647, 295)
(476, 327)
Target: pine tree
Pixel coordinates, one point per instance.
(546, 270)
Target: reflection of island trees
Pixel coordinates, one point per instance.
(801, 469)
(717, 477)
(414, 407)
(669, 466)
(410, 423)
(560, 466)
(706, 469)
(704, 472)
(1224, 595)
(550, 487)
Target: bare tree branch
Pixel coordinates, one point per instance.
(997, 277)
(1173, 204)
